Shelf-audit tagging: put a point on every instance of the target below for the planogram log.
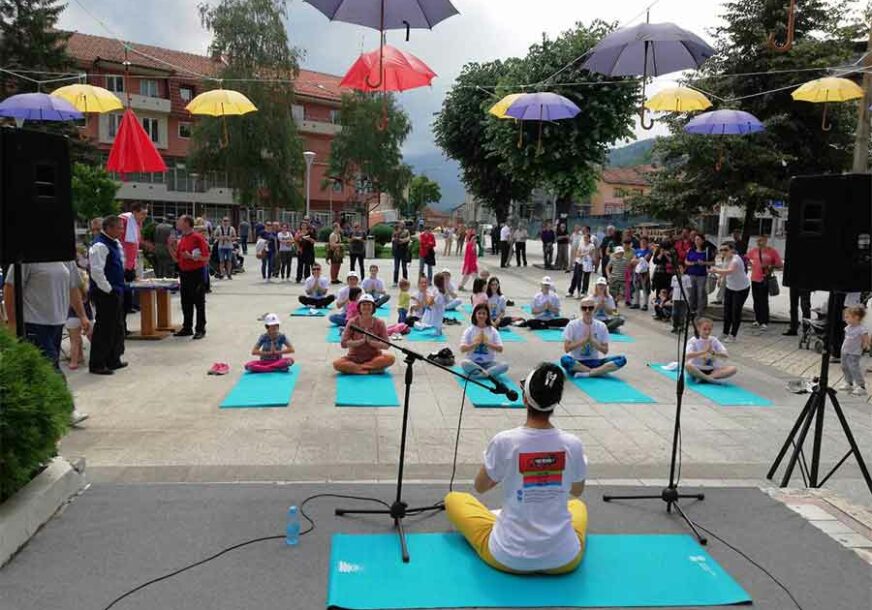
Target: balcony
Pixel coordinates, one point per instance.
(177, 185)
(322, 128)
(145, 102)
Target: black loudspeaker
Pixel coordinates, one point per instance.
(829, 227)
(36, 208)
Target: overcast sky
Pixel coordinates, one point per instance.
(484, 30)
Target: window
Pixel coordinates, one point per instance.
(334, 117)
(298, 112)
(148, 87)
(186, 92)
(151, 128)
(114, 122)
(337, 186)
(115, 83)
(185, 130)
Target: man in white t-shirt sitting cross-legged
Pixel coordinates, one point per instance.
(586, 343)
(539, 529)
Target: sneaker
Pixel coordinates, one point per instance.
(764, 327)
(635, 307)
(755, 324)
(569, 295)
(78, 417)
(858, 391)
(644, 308)
(729, 339)
(845, 387)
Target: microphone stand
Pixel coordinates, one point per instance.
(399, 509)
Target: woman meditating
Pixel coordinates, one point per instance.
(481, 342)
(271, 346)
(546, 308)
(364, 355)
(605, 308)
(539, 529)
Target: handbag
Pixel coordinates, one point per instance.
(771, 280)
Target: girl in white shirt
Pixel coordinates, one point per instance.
(706, 355)
(420, 301)
(481, 342)
(434, 314)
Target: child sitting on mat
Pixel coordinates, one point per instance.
(479, 295)
(271, 346)
(374, 286)
(404, 300)
(706, 355)
(453, 300)
(420, 301)
(435, 312)
(341, 318)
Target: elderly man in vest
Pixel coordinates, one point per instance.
(107, 291)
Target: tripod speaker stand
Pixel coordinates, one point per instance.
(399, 509)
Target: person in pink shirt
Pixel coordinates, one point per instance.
(764, 260)
(131, 235)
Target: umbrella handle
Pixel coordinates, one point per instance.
(225, 137)
(539, 146)
(381, 51)
(650, 125)
(824, 125)
(784, 47)
(520, 133)
(408, 28)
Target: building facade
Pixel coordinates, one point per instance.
(616, 186)
(157, 83)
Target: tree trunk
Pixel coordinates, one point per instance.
(748, 222)
(861, 142)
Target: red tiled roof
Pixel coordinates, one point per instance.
(627, 175)
(87, 48)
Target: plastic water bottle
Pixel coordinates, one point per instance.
(292, 532)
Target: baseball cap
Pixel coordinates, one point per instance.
(271, 319)
(446, 270)
(546, 280)
(352, 274)
(602, 282)
(618, 249)
(365, 298)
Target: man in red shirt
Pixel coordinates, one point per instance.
(427, 252)
(191, 252)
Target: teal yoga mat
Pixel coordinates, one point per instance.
(456, 314)
(334, 335)
(367, 572)
(510, 336)
(609, 389)
(555, 335)
(482, 398)
(308, 312)
(262, 390)
(366, 391)
(726, 394)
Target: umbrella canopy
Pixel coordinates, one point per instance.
(400, 71)
(387, 14)
(220, 102)
(38, 107)
(543, 106)
(133, 151)
(499, 109)
(829, 89)
(677, 99)
(88, 98)
(724, 122)
(648, 49)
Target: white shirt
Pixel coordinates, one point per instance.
(342, 295)
(853, 343)
(676, 291)
(505, 233)
(706, 363)
(482, 354)
(450, 289)
(737, 278)
(433, 316)
(97, 255)
(373, 286)
(578, 330)
(520, 235)
(283, 237)
(540, 300)
(317, 287)
(419, 302)
(605, 305)
(536, 469)
(584, 256)
(497, 305)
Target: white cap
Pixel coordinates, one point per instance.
(352, 274)
(547, 281)
(365, 298)
(602, 282)
(618, 249)
(271, 319)
(446, 270)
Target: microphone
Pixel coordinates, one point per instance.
(500, 388)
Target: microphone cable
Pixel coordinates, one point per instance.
(457, 437)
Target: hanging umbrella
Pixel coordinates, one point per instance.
(88, 98)
(133, 151)
(220, 102)
(648, 49)
(38, 107)
(724, 122)
(542, 106)
(677, 99)
(399, 71)
(826, 90)
(499, 109)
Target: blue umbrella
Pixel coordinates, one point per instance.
(724, 122)
(38, 107)
(542, 107)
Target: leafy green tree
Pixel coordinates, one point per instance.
(699, 172)
(422, 192)
(261, 151)
(398, 187)
(30, 40)
(93, 192)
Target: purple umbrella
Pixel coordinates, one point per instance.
(724, 123)
(542, 107)
(38, 107)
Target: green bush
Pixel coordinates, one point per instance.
(324, 233)
(415, 245)
(34, 412)
(382, 232)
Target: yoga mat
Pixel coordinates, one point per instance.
(262, 390)
(367, 572)
(724, 394)
(456, 314)
(383, 312)
(366, 391)
(425, 335)
(307, 312)
(609, 389)
(481, 398)
(510, 336)
(334, 334)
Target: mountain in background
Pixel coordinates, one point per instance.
(635, 153)
(444, 171)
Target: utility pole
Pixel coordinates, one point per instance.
(864, 117)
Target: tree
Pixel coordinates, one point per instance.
(93, 192)
(701, 172)
(422, 192)
(398, 186)
(30, 40)
(261, 151)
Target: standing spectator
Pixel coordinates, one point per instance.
(357, 246)
(287, 250)
(192, 255)
(698, 261)
(737, 288)
(641, 264)
(131, 237)
(400, 250)
(244, 231)
(427, 252)
(799, 299)
(267, 263)
(470, 260)
(305, 250)
(460, 238)
(563, 240)
(683, 244)
(225, 236)
(495, 239)
(259, 228)
(611, 241)
(163, 261)
(107, 292)
(548, 237)
(96, 229)
(741, 245)
(663, 260)
(448, 236)
(763, 260)
(520, 239)
(335, 253)
(630, 234)
(505, 245)
(583, 265)
(574, 242)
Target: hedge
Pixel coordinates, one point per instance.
(34, 412)
(382, 232)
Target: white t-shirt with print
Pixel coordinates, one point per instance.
(322, 283)
(373, 286)
(482, 354)
(342, 295)
(707, 363)
(676, 291)
(578, 330)
(497, 305)
(536, 469)
(584, 256)
(540, 300)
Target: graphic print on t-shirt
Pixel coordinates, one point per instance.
(542, 475)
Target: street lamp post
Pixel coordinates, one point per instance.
(310, 158)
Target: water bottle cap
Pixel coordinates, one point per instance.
(292, 509)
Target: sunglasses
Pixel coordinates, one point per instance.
(588, 308)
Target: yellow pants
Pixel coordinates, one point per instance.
(472, 519)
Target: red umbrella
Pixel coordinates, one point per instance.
(401, 71)
(133, 150)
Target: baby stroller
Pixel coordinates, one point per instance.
(215, 267)
(813, 332)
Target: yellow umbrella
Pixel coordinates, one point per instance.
(499, 109)
(825, 90)
(88, 98)
(677, 99)
(220, 102)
